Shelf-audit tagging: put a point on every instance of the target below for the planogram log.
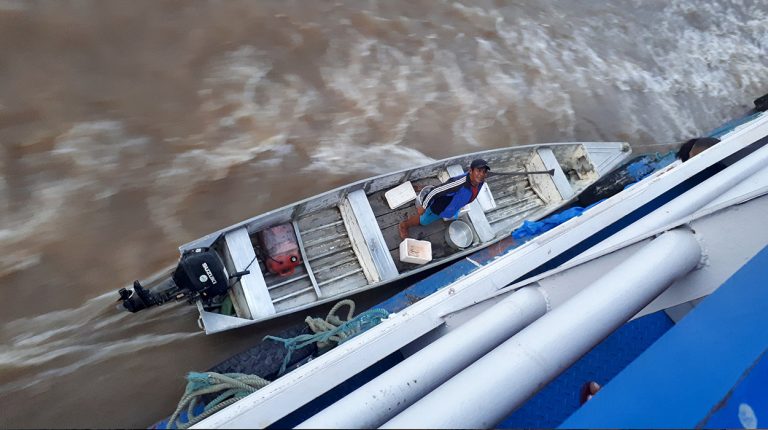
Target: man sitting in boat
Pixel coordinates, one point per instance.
(446, 200)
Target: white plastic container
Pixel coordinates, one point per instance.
(486, 199)
(400, 195)
(415, 251)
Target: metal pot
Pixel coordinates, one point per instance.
(459, 235)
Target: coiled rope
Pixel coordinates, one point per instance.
(331, 329)
(235, 386)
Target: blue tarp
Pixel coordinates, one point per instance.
(531, 229)
(649, 164)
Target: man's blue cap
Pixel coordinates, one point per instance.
(478, 163)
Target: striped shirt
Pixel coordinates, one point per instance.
(447, 199)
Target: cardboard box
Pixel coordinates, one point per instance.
(400, 195)
(415, 251)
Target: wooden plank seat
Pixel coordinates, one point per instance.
(250, 296)
(553, 188)
(366, 237)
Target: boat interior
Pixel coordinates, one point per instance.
(348, 238)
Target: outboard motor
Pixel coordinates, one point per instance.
(202, 272)
(199, 274)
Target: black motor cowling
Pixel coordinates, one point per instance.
(199, 274)
(202, 271)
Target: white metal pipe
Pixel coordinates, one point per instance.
(749, 185)
(690, 201)
(491, 388)
(388, 394)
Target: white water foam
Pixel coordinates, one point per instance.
(595, 55)
(382, 97)
(95, 313)
(101, 158)
(35, 223)
(101, 147)
(83, 356)
(69, 340)
(251, 118)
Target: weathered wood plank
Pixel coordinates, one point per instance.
(332, 252)
(394, 217)
(371, 235)
(324, 276)
(273, 279)
(345, 285)
(543, 185)
(357, 242)
(322, 248)
(341, 276)
(305, 260)
(334, 228)
(338, 262)
(319, 203)
(320, 218)
(507, 225)
(328, 238)
(508, 161)
(306, 297)
(293, 294)
(290, 288)
(292, 278)
(532, 201)
(253, 285)
(330, 260)
(519, 202)
(385, 183)
(392, 234)
(480, 222)
(504, 182)
(559, 178)
(378, 203)
(512, 200)
(512, 211)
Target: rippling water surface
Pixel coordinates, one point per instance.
(128, 128)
